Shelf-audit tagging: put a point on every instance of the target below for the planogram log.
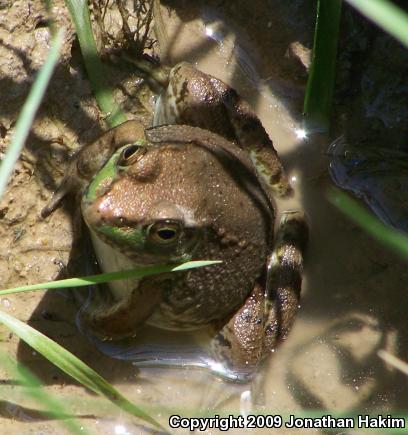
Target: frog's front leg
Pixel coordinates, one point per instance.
(111, 316)
(89, 159)
(268, 313)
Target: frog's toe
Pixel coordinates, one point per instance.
(155, 75)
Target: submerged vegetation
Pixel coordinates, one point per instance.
(317, 107)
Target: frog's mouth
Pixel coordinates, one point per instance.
(137, 244)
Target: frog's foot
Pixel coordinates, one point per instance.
(87, 161)
(67, 185)
(268, 313)
(155, 75)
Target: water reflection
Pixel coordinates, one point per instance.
(155, 347)
(377, 175)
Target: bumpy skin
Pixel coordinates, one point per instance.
(194, 98)
(268, 313)
(201, 182)
(189, 96)
(222, 205)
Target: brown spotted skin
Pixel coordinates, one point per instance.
(224, 219)
(108, 318)
(198, 99)
(265, 319)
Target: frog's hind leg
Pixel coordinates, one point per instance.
(238, 344)
(251, 135)
(268, 313)
(284, 278)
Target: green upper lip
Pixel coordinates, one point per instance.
(108, 172)
(123, 235)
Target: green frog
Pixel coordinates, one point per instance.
(200, 186)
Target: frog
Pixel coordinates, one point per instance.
(199, 184)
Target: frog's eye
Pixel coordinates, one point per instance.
(164, 233)
(130, 154)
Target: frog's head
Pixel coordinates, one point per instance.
(179, 191)
(132, 205)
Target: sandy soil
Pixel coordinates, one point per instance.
(354, 299)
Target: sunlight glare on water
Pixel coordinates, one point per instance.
(246, 405)
(120, 429)
(301, 133)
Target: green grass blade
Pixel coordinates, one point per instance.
(53, 407)
(73, 366)
(386, 15)
(393, 239)
(94, 66)
(28, 111)
(320, 84)
(106, 277)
